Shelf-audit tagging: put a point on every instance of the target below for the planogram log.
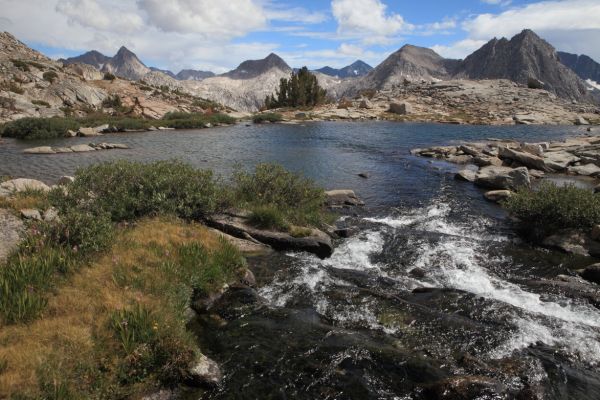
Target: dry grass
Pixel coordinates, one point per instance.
(27, 199)
(73, 334)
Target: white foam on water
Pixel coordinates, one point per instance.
(457, 261)
(311, 276)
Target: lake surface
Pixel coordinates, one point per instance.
(429, 300)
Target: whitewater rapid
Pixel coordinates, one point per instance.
(459, 258)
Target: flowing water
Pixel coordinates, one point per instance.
(430, 299)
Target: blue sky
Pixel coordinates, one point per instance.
(217, 35)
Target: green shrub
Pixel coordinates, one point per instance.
(551, 208)
(112, 102)
(267, 117)
(268, 217)
(41, 103)
(22, 65)
(38, 128)
(36, 65)
(296, 197)
(129, 190)
(12, 87)
(7, 103)
(50, 76)
(84, 230)
(109, 77)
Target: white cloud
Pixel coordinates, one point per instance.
(89, 13)
(459, 49)
(367, 17)
(566, 15)
(569, 25)
(228, 19)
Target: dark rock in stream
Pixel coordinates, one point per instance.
(569, 286)
(591, 273)
(464, 387)
(317, 243)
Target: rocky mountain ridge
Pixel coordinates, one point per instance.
(33, 85)
(585, 67)
(356, 69)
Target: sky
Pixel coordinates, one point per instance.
(217, 35)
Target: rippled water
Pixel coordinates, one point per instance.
(429, 300)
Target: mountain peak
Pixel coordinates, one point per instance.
(356, 69)
(253, 68)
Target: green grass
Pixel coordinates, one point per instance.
(551, 208)
(267, 117)
(297, 198)
(45, 128)
(268, 217)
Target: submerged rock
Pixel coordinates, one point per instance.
(40, 150)
(591, 273)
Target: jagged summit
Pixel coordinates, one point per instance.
(193, 75)
(526, 56)
(356, 69)
(253, 68)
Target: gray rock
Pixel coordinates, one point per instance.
(366, 104)
(466, 175)
(40, 150)
(533, 148)
(585, 170)
(87, 132)
(498, 195)
(30, 213)
(65, 180)
(527, 159)
(62, 150)
(401, 108)
(559, 160)
(20, 185)
(342, 197)
(503, 178)
(581, 121)
(484, 161)
(572, 241)
(592, 273)
(317, 242)
(51, 215)
(205, 372)
(101, 128)
(469, 150)
(71, 133)
(595, 233)
(82, 148)
(11, 233)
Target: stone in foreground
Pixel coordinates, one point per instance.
(497, 195)
(20, 185)
(318, 242)
(205, 372)
(503, 178)
(343, 198)
(592, 273)
(11, 231)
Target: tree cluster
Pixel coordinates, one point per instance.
(300, 90)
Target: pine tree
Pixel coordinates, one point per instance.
(300, 90)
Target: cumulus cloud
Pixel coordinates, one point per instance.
(497, 2)
(113, 16)
(229, 18)
(459, 49)
(367, 17)
(569, 25)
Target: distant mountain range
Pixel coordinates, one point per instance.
(584, 66)
(522, 59)
(356, 69)
(125, 64)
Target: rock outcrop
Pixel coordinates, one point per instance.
(11, 232)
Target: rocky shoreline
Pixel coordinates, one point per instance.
(482, 102)
(501, 167)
